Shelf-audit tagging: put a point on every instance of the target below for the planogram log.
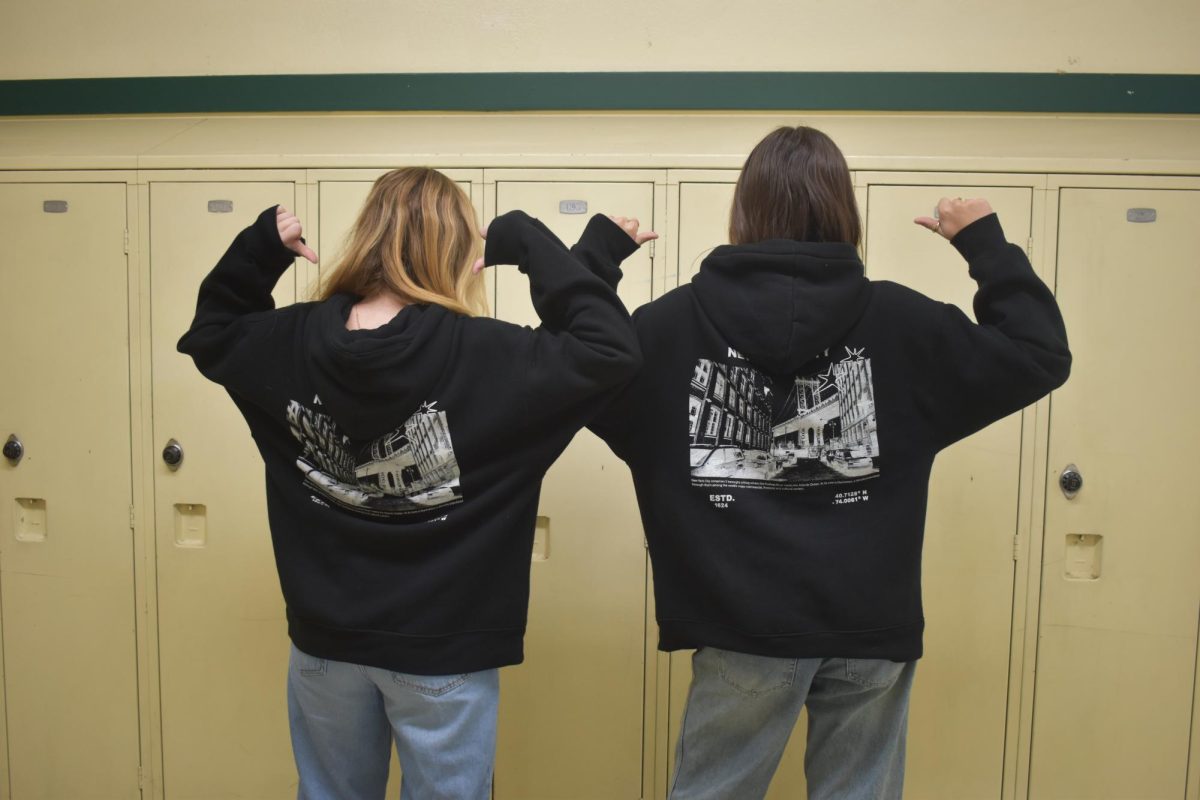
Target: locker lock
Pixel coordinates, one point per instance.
(172, 454)
(1070, 481)
(13, 449)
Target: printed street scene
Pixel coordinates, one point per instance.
(822, 432)
(410, 469)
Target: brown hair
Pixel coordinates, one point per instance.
(795, 185)
(416, 237)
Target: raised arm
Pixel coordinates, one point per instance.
(586, 344)
(1015, 353)
(235, 298)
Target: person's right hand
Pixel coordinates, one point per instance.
(630, 225)
(954, 215)
(290, 232)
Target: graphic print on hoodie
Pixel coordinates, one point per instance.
(817, 428)
(407, 470)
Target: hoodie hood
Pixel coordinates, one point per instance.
(370, 381)
(780, 302)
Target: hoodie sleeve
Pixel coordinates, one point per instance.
(601, 248)
(227, 339)
(586, 345)
(1015, 354)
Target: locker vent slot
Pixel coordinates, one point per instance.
(220, 206)
(54, 206)
(1083, 556)
(1141, 215)
(30, 520)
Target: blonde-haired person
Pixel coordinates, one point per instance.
(405, 438)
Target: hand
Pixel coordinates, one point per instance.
(954, 215)
(477, 267)
(630, 225)
(289, 234)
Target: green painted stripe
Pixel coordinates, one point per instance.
(603, 91)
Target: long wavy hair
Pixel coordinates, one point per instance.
(416, 237)
(795, 185)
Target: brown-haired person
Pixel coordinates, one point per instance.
(405, 438)
(780, 434)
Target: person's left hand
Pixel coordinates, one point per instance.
(630, 225)
(290, 232)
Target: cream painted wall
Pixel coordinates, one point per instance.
(68, 38)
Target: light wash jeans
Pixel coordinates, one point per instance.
(741, 709)
(344, 716)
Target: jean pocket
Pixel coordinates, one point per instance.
(874, 673)
(430, 685)
(755, 675)
(310, 666)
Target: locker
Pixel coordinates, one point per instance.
(959, 705)
(571, 716)
(66, 546)
(1116, 662)
(223, 645)
(340, 197)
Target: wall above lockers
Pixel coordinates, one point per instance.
(60, 38)
(1132, 144)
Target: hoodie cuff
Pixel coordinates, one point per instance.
(980, 236)
(264, 243)
(504, 235)
(608, 239)
(602, 247)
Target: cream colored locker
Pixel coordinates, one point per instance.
(341, 195)
(66, 545)
(958, 717)
(223, 647)
(959, 706)
(1117, 638)
(571, 717)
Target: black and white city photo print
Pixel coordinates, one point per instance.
(815, 429)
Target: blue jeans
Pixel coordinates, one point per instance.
(741, 709)
(344, 716)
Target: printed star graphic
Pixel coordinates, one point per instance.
(827, 379)
(854, 354)
(429, 408)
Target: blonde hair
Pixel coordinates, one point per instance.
(415, 237)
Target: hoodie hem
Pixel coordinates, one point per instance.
(900, 643)
(446, 654)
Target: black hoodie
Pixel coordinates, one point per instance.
(404, 463)
(782, 431)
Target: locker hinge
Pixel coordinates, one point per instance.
(127, 241)
(132, 518)
(652, 249)
(141, 780)
(1029, 248)
(1017, 547)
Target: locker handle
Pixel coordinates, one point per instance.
(14, 451)
(172, 454)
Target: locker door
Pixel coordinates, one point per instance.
(66, 548)
(704, 225)
(222, 635)
(1117, 636)
(340, 202)
(571, 716)
(960, 698)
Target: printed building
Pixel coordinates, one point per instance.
(727, 407)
